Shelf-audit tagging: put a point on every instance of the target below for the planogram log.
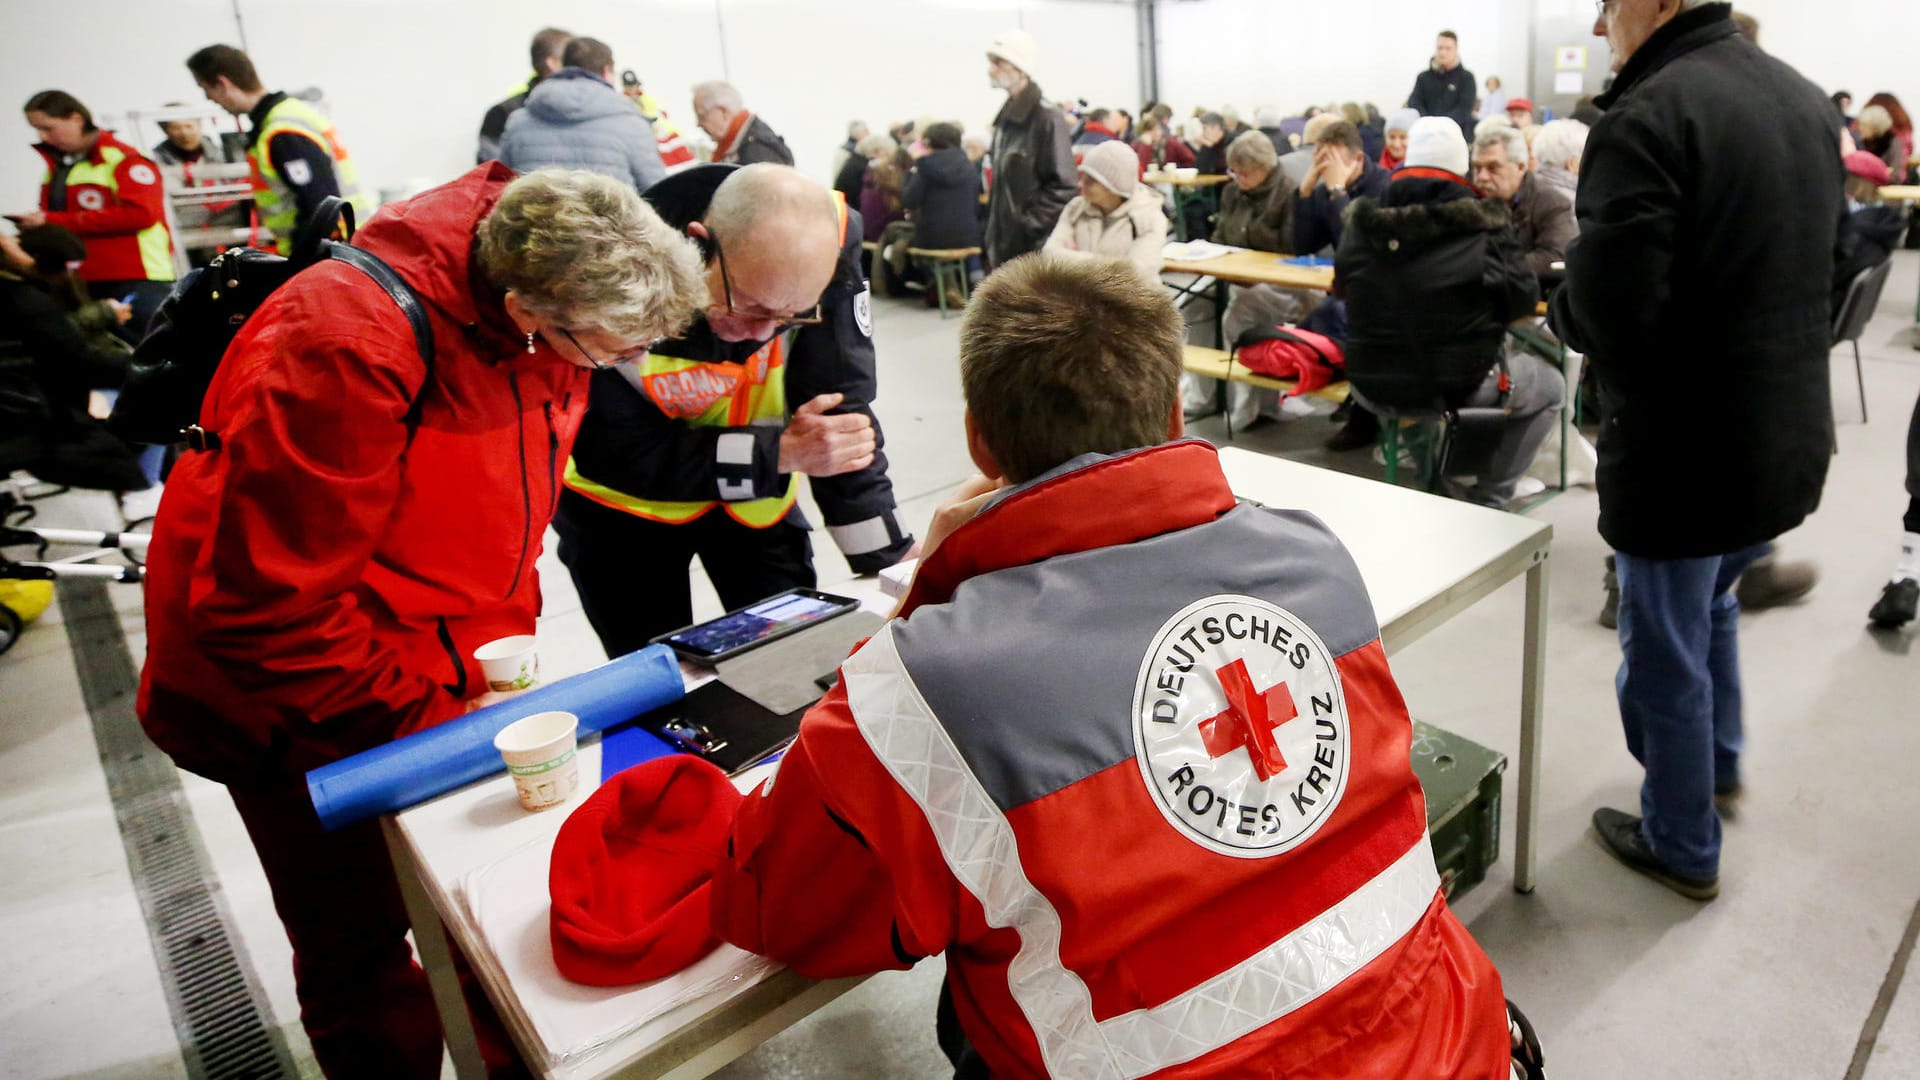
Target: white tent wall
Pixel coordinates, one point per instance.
(1295, 53)
(408, 80)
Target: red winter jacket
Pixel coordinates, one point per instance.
(1164, 830)
(109, 216)
(318, 584)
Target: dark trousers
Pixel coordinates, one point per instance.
(1679, 692)
(967, 1062)
(364, 1003)
(1912, 521)
(631, 573)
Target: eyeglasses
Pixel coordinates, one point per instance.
(811, 317)
(629, 355)
(1600, 7)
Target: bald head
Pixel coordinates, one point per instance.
(780, 233)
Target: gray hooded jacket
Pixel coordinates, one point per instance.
(574, 120)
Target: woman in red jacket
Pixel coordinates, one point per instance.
(108, 194)
(318, 582)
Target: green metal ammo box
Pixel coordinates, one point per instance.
(1462, 782)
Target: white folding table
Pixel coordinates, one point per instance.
(1424, 560)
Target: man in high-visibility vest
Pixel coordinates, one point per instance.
(545, 53)
(675, 154)
(692, 448)
(297, 157)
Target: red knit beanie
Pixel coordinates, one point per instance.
(631, 869)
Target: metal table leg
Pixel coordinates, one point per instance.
(1533, 694)
(430, 938)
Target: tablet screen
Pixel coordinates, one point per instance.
(750, 624)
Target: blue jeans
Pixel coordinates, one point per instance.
(1679, 690)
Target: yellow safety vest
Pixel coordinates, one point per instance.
(707, 393)
(271, 192)
(156, 244)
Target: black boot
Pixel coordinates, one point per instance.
(1896, 605)
(1362, 431)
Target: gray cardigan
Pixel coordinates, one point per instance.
(576, 121)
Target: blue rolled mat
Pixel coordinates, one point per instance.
(406, 771)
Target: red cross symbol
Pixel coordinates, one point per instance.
(1249, 720)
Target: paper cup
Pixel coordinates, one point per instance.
(509, 663)
(539, 752)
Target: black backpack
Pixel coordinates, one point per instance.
(176, 360)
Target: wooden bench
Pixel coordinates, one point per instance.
(945, 262)
(1217, 364)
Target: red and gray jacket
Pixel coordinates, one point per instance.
(1133, 758)
(318, 584)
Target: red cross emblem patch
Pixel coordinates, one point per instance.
(1240, 726)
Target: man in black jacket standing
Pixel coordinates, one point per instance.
(740, 135)
(1701, 274)
(1446, 88)
(545, 53)
(1034, 176)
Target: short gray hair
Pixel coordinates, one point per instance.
(1252, 150)
(584, 251)
(1266, 116)
(1560, 141)
(1507, 138)
(877, 143)
(857, 129)
(1498, 120)
(721, 93)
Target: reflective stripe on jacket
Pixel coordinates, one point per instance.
(113, 200)
(1142, 774)
(714, 394)
(711, 394)
(279, 211)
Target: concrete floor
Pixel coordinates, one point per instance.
(1621, 978)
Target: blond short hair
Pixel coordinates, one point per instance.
(1875, 121)
(1251, 150)
(1319, 124)
(1063, 357)
(584, 251)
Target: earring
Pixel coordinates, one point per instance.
(529, 341)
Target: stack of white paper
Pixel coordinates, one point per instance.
(1196, 250)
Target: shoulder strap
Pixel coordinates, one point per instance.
(404, 298)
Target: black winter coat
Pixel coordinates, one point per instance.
(1710, 203)
(1034, 176)
(943, 192)
(1446, 93)
(1432, 274)
(760, 143)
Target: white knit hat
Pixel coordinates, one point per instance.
(1435, 142)
(1115, 165)
(1015, 47)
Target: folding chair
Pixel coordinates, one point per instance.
(1863, 296)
